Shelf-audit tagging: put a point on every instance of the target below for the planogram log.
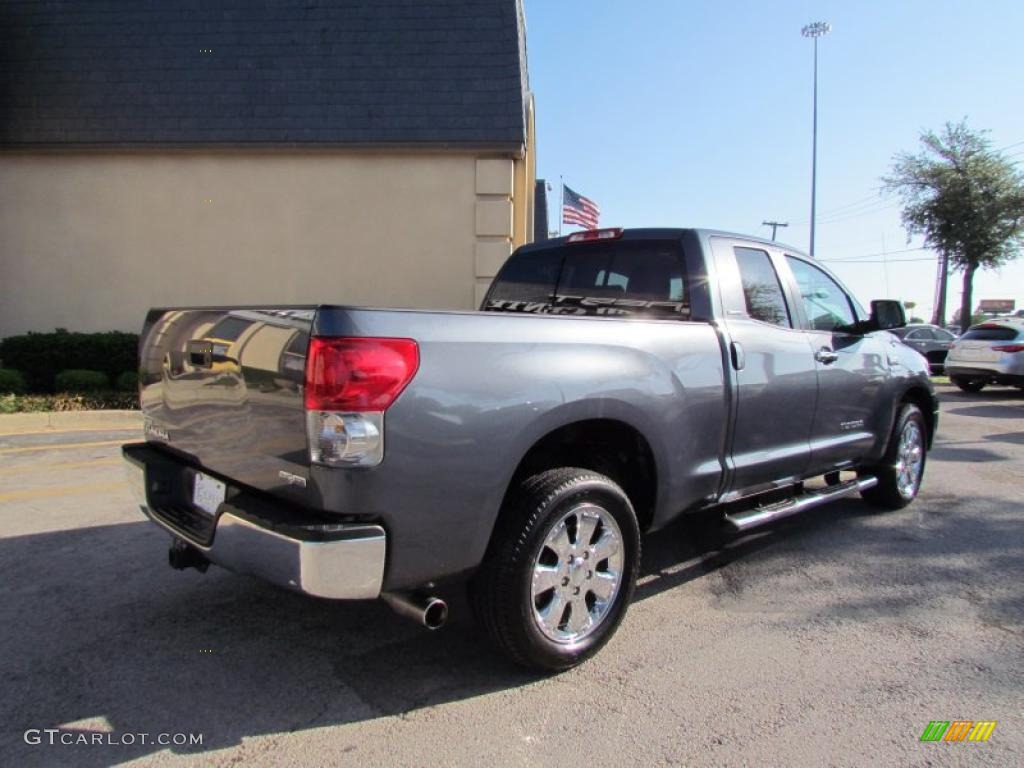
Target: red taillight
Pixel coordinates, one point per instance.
(595, 234)
(1009, 348)
(358, 374)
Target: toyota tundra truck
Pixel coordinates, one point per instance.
(612, 381)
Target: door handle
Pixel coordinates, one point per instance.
(825, 356)
(736, 353)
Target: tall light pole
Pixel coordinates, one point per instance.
(814, 31)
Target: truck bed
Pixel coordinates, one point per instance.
(223, 389)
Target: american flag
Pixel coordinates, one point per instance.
(579, 210)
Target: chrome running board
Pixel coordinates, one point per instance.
(752, 518)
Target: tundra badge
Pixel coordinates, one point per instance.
(291, 479)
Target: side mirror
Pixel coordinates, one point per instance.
(886, 314)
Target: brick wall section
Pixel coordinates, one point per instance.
(142, 72)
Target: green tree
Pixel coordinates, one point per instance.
(966, 198)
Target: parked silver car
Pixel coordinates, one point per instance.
(930, 340)
(988, 353)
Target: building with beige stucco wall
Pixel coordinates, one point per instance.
(361, 153)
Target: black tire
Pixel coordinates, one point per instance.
(502, 591)
(893, 491)
(968, 385)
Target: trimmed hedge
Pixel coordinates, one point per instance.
(11, 381)
(124, 401)
(40, 356)
(81, 381)
(128, 382)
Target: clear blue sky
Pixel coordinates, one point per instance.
(671, 113)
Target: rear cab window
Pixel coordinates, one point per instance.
(643, 278)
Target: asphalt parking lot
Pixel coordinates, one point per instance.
(830, 639)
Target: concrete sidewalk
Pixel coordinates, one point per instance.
(14, 423)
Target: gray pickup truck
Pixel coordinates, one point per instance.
(613, 381)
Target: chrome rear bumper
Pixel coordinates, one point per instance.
(337, 561)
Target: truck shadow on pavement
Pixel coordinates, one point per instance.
(100, 635)
(1007, 437)
(1002, 403)
(951, 451)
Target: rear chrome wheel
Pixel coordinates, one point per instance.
(577, 574)
(560, 569)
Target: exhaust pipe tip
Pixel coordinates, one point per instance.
(426, 610)
(435, 613)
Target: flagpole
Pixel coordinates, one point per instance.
(561, 205)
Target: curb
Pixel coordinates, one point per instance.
(82, 420)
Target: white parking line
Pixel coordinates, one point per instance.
(59, 465)
(98, 428)
(59, 446)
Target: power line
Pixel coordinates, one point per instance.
(867, 206)
(868, 211)
(882, 261)
(841, 208)
(854, 204)
(873, 255)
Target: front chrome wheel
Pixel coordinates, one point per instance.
(577, 574)
(900, 472)
(909, 460)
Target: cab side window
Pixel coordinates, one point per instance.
(762, 290)
(826, 304)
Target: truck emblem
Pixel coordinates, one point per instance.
(291, 479)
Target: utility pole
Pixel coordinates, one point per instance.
(939, 307)
(774, 225)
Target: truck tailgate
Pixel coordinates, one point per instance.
(225, 386)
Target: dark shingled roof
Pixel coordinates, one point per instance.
(137, 72)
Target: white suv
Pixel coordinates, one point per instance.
(988, 353)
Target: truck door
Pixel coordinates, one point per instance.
(852, 370)
(773, 370)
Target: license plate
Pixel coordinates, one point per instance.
(980, 355)
(208, 493)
